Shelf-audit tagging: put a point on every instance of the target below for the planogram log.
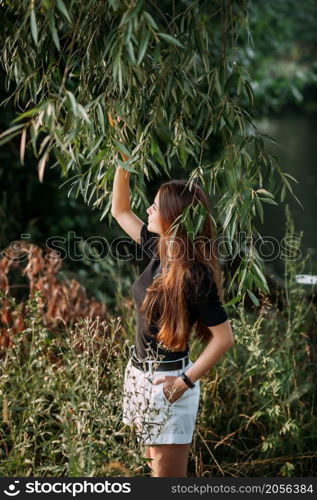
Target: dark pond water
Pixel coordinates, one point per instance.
(297, 138)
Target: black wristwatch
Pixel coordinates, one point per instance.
(187, 381)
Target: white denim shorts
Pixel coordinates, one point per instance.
(156, 420)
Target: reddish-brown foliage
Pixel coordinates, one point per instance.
(62, 302)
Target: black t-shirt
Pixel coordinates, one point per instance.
(206, 305)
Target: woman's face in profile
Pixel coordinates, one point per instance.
(154, 220)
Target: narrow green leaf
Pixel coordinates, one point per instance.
(122, 148)
(95, 147)
(69, 122)
(232, 80)
(87, 184)
(150, 20)
(117, 70)
(41, 166)
(298, 201)
(26, 114)
(154, 146)
(240, 83)
(83, 113)
(43, 144)
(22, 145)
(131, 52)
(228, 216)
(128, 16)
(268, 200)
(291, 177)
(61, 161)
(51, 24)
(264, 191)
(259, 208)
(253, 298)
(199, 43)
(233, 301)
(287, 183)
(101, 119)
(127, 32)
(34, 27)
(171, 39)
(125, 165)
(72, 101)
(8, 138)
(283, 192)
(217, 84)
(61, 7)
(249, 92)
(143, 45)
(241, 278)
(268, 137)
(11, 130)
(92, 192)
(260, 274)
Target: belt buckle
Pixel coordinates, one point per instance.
(184, 362)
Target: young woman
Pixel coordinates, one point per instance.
(178, 290)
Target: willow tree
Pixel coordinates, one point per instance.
(171, 71)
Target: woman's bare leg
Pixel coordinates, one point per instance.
(169, 460)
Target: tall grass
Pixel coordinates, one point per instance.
(61, 396)
(258, 412)
(61, 413)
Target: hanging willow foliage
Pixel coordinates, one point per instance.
(170, 71)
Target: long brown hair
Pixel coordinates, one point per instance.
(183, 265)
